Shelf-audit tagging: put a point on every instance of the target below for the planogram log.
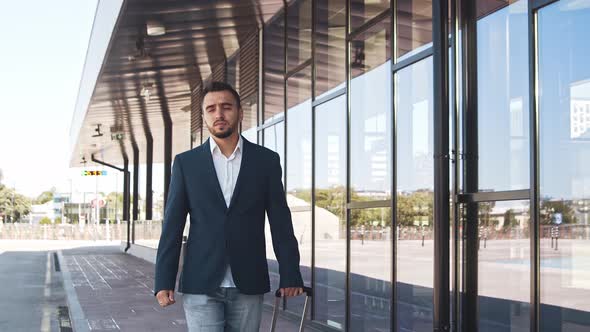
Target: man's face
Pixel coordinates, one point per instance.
(221, 113)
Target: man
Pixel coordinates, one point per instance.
(226, 184)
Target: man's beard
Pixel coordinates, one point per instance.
(222, 135)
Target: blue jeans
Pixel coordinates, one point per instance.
(224, 310)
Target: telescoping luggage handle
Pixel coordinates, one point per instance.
(275, 313)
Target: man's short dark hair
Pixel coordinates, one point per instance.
(221, 86)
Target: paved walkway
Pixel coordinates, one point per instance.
(109, 290)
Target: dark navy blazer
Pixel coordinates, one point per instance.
(220, 235)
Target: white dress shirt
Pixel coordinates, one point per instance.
(227, 170)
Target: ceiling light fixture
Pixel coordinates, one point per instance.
(155, 28)
(146, 91)
(97, 129)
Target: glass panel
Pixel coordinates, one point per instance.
(298, 33)
(486, 7)
(504, 266)
(414, 145)
(299, 171)
(370, 48)
(370, 269)
(274, 139)
(330, 41)
(274, 69)
(250, 108)
(503, 104)
(330, 213)
(362, 11)
(564, 112)
(233, 71)
(371, 122)
(414, 26)
(206, 133)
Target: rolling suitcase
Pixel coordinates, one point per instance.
(275, 312)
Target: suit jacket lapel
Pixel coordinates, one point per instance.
(244, 169)
(211, 174)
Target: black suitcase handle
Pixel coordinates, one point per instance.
(308, 291)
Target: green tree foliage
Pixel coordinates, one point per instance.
(115, 200)
(510, 220)
(413, 208)
(45, 196)
(564, 207)
(13, 206)
(485, 211)
(45, 221)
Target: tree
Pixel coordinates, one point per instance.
(45, 196)
(13, 206)
(510, 220)
(485, 210)
(115, 200)
(45, 221)
(563, 207)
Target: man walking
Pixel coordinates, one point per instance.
(226, 184)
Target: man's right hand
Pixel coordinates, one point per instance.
(165, 297)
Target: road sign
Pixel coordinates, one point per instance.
(101, 203)
(94, 173)
(557, 218)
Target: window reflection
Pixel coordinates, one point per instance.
(564, 107)
(274, 69)
(414, 215)
(250, 109)
(274, 139)
(362, 11)
(371, 116)
(414, 26)
(504, 266)
(503, 106)
(299, 170)
(330, 213)
(298, 33)
(370, 268)
(330, 45)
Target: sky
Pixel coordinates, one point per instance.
(43, 50)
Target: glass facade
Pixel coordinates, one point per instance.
(415, 185)
(330, 213)
(503, 103)
(348, 100)
(564, 121)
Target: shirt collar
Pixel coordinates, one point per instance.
(213, 145)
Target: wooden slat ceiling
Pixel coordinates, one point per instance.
(199, 35)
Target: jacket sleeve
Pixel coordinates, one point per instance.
(281, 228)
(170, 243)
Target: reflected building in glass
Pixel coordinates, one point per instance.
(436, 159)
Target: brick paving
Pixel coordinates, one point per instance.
(114, 292)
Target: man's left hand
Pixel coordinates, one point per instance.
(291, 291)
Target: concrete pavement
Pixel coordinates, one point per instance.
(87, 286)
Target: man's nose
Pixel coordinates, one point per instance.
(218, 113)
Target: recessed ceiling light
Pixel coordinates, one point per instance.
(155, 28)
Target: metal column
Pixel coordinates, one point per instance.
(469, 307)
(126, 198)
(440, 29)
(135, 190)
(149, 160)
